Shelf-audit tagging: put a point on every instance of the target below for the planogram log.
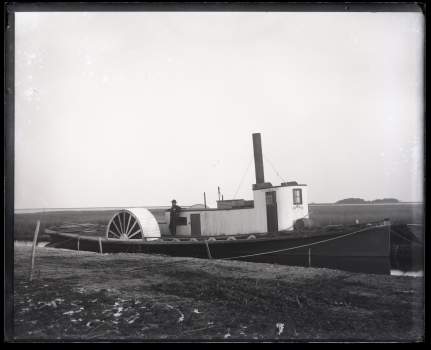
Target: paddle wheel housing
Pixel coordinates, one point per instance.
(133, 223)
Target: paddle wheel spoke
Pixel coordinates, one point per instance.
(135, 233)
(128, 223)
(114, 234)
(133, 226)
(113, 230)
(116, 227)
(119, 221)
(124, 225)
(129, 230)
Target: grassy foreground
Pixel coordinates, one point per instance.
(89, 296)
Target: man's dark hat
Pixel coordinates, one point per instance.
(173, 200)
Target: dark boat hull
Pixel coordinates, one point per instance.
(366, 242)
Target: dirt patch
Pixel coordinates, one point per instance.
(147, 297)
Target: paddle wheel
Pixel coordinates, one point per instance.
(133, 223)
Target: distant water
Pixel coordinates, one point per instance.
(419, 273)
(29, 211)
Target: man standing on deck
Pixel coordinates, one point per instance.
(175, 210)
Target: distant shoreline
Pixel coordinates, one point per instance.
(341, 204)
(35, 210)
(29, 211)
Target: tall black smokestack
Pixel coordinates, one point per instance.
(258, 160)
(258, 164)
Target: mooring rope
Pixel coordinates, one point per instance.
(243, 177)
(206, 243)
(273, 168)
(300, 246)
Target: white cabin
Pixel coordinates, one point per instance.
(274, 208)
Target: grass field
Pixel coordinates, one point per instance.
(399, 213)
(25, 224)
(148, 297)
(321, 214)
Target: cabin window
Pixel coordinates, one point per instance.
(181, 220)
(297, 196)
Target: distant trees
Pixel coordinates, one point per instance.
(386, 200)
(362, 201)
(351, 201)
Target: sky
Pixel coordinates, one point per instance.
(118, 109)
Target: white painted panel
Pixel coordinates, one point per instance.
(149, 224)
(229, 222)
(224, 222)
(287, 212)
